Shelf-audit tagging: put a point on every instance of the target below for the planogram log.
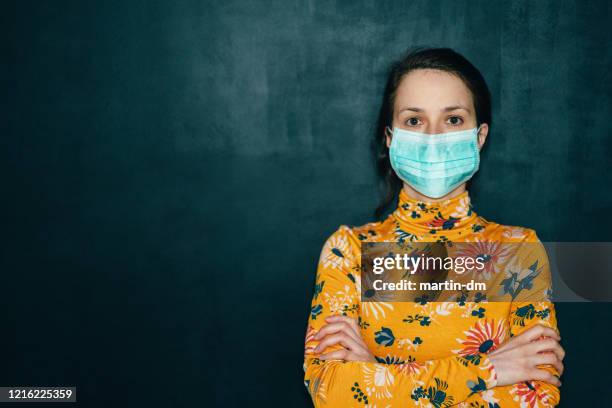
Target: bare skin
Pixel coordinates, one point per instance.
(432, 102)
(515, 361)
(345, 331)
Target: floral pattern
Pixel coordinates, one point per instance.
(429, 353)
(494, 254)
(484, 337)
(530, 394)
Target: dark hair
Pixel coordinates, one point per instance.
(444, 59)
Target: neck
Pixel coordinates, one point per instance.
(412, 193)
(420, 217)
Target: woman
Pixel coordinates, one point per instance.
(434, 119)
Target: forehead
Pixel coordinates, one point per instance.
(431, 89)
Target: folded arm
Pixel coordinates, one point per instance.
(340, 383)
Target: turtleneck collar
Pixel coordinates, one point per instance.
(421, 217)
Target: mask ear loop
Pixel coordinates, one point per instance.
(388, 131)
(477, 139)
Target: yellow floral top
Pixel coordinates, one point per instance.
(429, 354)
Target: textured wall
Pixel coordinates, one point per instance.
(173, 168)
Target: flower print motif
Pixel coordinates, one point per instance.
(410, 368)
(412, 212)
(514, 232)
(529, 312)
(374, 303)
(548, 294)
(436, 395)
(334, 253)
(484, 337)
(423, 320)
(444, 308)
(462, 209)
(389, 360)
(426, 209)
(405, 367)
(376, 310)
(471, 309)
(341, 302)
(530, 394)
(318, 288)
(480, 312)
(493, 254)
(518, 278)
(422, 300)
(370, 233)
(403, 236)
(489, 396)
(315, 311)
(477, 228)
(477, 386)
(378, 380)
(440, 221)
(384, 337)
(410, 344)
(317, 387)
(359, 395)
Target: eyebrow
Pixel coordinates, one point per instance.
(447, 109)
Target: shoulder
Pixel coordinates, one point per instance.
(347, 239)
(522, 241)
(369, 232)
(508, 233)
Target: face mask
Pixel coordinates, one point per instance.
(434, 165)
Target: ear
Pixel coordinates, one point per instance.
(482, 135)
(388, 136)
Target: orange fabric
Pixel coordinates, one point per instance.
(428, 353)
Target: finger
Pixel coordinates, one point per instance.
(561, 354)
(547, 359)
(523, 338)
(345, 355)
(547, 345)
(543, 375)
(536, 332)
(349, 320)
(558, 367)
(337, 338)
(557, 350)
(335, 355)
(340, 326)
(509, 344)
(506, 346)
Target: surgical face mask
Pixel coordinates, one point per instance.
(435, 164)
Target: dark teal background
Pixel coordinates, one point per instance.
(172, 169)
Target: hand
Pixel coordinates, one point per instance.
(342, 330)
(516, 360)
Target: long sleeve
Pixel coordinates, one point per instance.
(530, 288)
(532, 306)
(335, 383)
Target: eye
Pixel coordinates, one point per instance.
(455, 120)
(412, 121)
